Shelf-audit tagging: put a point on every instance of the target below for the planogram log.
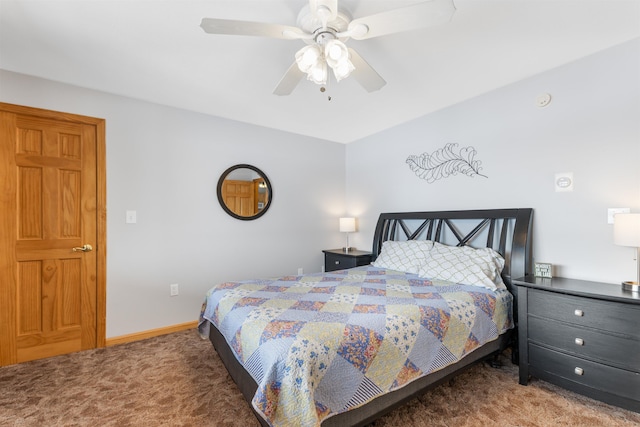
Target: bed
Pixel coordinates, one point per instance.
(345, 347)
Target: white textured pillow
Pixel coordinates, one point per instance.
(465, 265)
(405, 256)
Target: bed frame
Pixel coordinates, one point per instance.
(508, 231)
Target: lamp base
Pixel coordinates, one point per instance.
(631, 286)
(348, 249)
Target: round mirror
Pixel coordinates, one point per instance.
(244, 192)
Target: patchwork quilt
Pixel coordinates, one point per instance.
(321, 344)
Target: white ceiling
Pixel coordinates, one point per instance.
(156, 51)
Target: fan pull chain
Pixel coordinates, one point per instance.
(324, 89)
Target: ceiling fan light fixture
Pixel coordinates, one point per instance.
(308, 57)
(343, 69)
(337, 57)
(336, 52)
(318, 73)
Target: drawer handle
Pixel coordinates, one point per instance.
(578, 371)
(578, 312)
(579, 341)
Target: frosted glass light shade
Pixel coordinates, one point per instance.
(335, 51)
(626, 230)
(308, 57)
(343, 70)
(337, 56)
(318, 73)
(347, 225)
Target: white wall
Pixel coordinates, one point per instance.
(165, 163)
(591, 128)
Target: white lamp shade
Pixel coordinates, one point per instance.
(626, 230)
(347, 225)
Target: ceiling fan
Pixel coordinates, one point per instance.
(325, 28)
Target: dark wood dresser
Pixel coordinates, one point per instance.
(337, 259)
(583, 336)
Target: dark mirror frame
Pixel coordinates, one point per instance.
(266, 181)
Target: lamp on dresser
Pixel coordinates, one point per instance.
(347, 225)
(626, 232)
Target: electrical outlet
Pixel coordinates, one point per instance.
(300, 271)
(174, 290)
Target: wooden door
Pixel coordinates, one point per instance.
(239, 197)
(52, 276)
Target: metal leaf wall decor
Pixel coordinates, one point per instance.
(445, 162)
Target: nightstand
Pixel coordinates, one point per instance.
(583, 336)
(337, 259)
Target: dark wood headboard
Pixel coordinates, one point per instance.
(508, 231)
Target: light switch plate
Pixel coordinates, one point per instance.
(131, 217)
(611, 212)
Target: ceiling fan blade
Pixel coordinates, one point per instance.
(365, 74)
(248, 28)
(408, 18)
(325, 10)
(289, 81)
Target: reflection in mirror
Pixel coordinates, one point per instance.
(244, 192)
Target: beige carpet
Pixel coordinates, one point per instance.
(178, 380)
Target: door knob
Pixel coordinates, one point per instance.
(85, 248)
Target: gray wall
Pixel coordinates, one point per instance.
(164, 163)
(591, 128)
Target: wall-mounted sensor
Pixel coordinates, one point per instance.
(543, 100)
(564, 181)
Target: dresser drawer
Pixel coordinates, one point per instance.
(593, 344)
(605, 315)
(611, 380)
(335, 260)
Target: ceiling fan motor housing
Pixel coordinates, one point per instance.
(311, 23)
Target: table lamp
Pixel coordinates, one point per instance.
(626, 232)
(347, 225)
